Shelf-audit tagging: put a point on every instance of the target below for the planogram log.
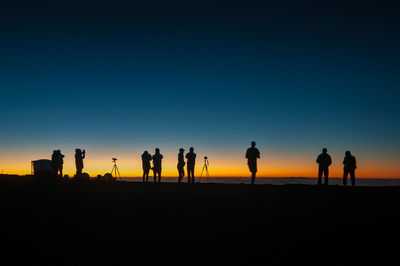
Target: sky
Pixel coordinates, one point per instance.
(120, 77)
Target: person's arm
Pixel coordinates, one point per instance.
(330, 160)
(258, 154)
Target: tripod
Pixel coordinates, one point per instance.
(115, 169)
(205, 167)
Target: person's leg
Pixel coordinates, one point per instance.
(159, 176)
(319, 176)
(188, 174)
(144, 177)
(61, 171)
(193, 175)
(78, 172)
(326, 173)
(345, 174)
(182, 173)
(155, 175)
(353, 177)
(253, 177)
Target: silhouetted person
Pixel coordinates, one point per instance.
(157, 160)
(324, 160)
(54, 163)
(146, 158)
(252, 154)
(181, 165)
(191, 160)
(79, 156)
(60, 163)
(350, 166)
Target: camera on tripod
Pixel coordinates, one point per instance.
(115, 172)
(205, 167)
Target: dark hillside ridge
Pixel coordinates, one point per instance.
(224, 224)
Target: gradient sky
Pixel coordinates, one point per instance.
(116, 78)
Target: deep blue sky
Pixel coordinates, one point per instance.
(293, 75)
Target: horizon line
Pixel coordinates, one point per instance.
(203, 177)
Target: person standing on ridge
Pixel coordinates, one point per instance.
(60, 162)
(146, 158)
(79, 156)
(191, 160)
(54, 163)
(181, 165)
(324, 160)
(157, 159)
(350, 165)
(252, 154)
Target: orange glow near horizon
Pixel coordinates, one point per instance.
(228, 166)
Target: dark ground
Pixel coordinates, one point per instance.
(136, 224)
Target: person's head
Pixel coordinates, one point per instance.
(145, 152)
(253, 144)
(157, 150)
(191, 149)
(181, 150)
(348, 153)
(324, 150)
(78, 151)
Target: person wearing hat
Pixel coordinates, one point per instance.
(324, 160)
(191, 160)
(350, 166)
(181, 165)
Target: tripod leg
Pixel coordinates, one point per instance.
(201, 175)
(117, 170)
